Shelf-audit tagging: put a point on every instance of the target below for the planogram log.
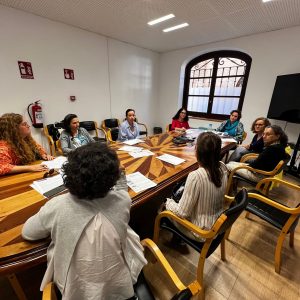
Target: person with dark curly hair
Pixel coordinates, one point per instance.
(257, 143)
(202, 200)
(89, 256)
(275, 142)
(73, 136)
(233, 126)
(180, 121)
(17, 147)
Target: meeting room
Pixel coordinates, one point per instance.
(149, 149)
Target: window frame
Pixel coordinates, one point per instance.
(215, 55)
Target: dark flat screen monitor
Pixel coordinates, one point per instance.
(285, 102)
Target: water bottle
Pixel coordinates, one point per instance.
(209, 127)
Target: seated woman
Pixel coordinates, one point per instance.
(257, 143)
(233, 126)
(275, 142)
(129, 129)
(180, 121)
(73, 136)
(17, 148)
(88, 257)
(202, 200)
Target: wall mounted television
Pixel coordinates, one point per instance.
(285, 102)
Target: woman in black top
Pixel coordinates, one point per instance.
(275, 142)
(257, 143)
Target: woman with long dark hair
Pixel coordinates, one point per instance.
(73, 136)
(180, 120)
(203, 196)
(18, 150)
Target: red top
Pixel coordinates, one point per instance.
(178, 124)
(9, 159)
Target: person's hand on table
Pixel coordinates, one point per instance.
(38, 168)
(47, 157)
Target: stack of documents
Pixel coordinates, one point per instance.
(171, 159)
(138, 182)
(45, 185)
(133, 142)
(55, 163)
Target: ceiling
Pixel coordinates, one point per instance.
(126, 20)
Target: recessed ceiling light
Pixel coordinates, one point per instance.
(164, 18)
(176, 27)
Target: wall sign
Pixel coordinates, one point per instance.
(25, 70)
(69, 74)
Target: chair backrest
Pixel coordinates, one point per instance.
(53, 130)
(168, 127)
(90, 126)
(110, 123)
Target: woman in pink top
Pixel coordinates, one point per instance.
(180, 121)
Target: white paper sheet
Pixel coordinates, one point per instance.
(131, 149)
(138, 182)
(133, 142)
(47, 184)
(142, 153)
(228, 140)
(55, 163)
(171, 159)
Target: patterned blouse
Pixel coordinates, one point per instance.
(9, 159)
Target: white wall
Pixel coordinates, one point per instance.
(274, 53)
(110, 76)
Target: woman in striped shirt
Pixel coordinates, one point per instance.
(202, 200)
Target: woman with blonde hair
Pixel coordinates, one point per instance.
(17, 147)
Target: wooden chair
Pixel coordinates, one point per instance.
(168, 127)
(52, 132)
(243, 137)
(92, 126)
(142, 289)
(213, 237)
(111, 128)
(234, 176)
(144, 130)
(280, 216)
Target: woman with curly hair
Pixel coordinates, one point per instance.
(17, 147)
(257, 143)
(89, 256)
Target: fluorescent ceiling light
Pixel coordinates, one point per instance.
(164, 18)
(266, 1)
(176, 27)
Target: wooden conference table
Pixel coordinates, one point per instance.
(18, 201)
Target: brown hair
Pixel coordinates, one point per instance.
(25, 148)
(266, 123)
(208, 154)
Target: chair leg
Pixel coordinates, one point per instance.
(278, 252)
(16, 286)
(292, 233)
(223, 256)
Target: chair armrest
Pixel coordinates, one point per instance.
(103, 131)
(149, 244)
(262, 183)
(248, 156)
(275, 204)
(187, 224)
(228, 200)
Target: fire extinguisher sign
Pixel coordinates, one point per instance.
(25, 70)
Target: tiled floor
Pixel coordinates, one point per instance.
(248, 272)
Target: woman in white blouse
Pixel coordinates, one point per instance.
(202, 200)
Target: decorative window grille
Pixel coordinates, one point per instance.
(215, 84)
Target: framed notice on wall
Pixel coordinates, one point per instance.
(25, 68)
(69, 74)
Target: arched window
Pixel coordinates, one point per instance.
(215, 83)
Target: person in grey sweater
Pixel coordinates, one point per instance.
(89, 256)
(73, 136)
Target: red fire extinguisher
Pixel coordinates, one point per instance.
(35, 114)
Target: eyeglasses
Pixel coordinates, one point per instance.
(51, 172)
(183, 112)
